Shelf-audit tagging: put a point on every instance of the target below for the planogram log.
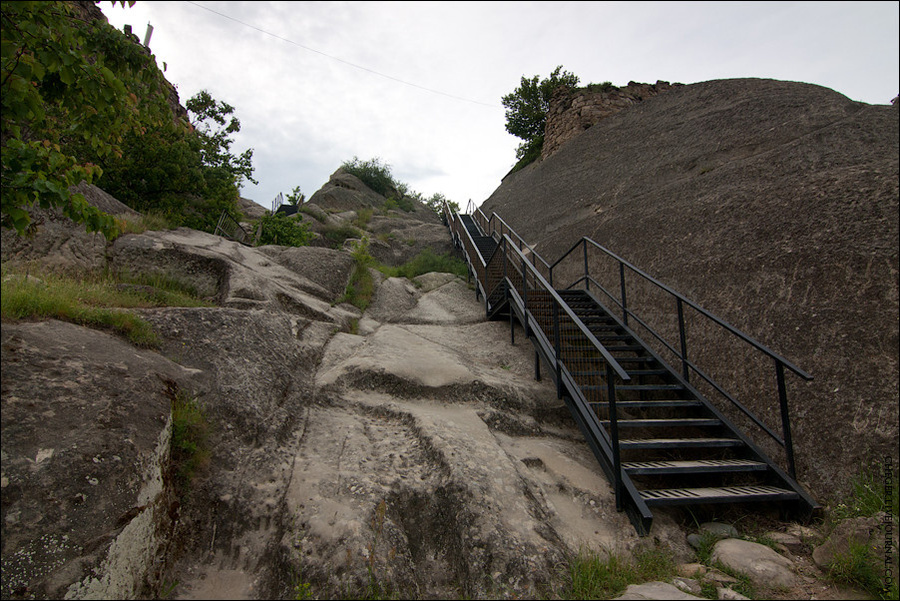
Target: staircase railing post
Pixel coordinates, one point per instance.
(624, 298)
(785, 419)
(614, 433)
(525, 298)
(587, 281)
(685, 370)
(556, 343)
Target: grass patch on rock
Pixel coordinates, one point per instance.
(189, 446)
(361, 288)
(426, 261)
(99, 300)
(593, 575)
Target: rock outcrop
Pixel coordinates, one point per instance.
(407, 448)
(574, 110)
(773, 205)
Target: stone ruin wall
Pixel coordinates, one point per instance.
(574, 110)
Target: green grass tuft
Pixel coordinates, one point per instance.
(594, 576)
(426, 262)
(99, 300)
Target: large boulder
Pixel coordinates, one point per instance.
(765, 567)
(87, 498)
(773, 205)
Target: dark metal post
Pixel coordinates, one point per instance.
(537, 366)
(525, 298)
(785, 419)
(587, 281)
(556, 339)
(622, 284)
(685, 371)
(614, 433)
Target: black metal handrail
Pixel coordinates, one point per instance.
(519, 290)
(490, 228)
(510, 276)
(229, 227)
(785, 440)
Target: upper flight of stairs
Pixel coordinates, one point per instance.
(664, 444)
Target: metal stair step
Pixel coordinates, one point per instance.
(631, 372)
(702, 466)
(643, 359)
(678, 443)
(678, 422)
(648, 372)
(728, 494)
(649, 387)
(638, 387)
(627, 348)
(660, 404)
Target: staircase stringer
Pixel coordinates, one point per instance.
(808, 503)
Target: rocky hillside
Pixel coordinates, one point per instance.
(273, 441)
(406, 446)
(775, 206)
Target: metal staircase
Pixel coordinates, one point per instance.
(658, 439)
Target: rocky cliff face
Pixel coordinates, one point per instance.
(574, 110)
(774, 205)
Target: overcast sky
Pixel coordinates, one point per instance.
(418, 85)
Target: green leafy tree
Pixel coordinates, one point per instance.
(215, 122)
(64, 87)
(185, 171)
(295, 198)
(436, 203)
(526, 111)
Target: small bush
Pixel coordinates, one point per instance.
(150, 221)
(94, 299)
(606, 86)
(362, 285)
(874, 490)
(373, 173)
(338, 234)
(426, 262)
(284, 230)
(363, 216)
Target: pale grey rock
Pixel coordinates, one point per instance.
(789, 541)
(719, 530)
(724, 593)
(235, 275)
(655, 590)
(85, 453)
(762, 565)
(688, 585)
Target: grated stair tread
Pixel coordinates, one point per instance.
(699, 466)
(727, 494)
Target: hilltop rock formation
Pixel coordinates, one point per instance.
(395, 233)
(775, 206)
(573, 110)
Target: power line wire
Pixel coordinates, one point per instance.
(340, 60)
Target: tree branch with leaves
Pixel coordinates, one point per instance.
(526, 111)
